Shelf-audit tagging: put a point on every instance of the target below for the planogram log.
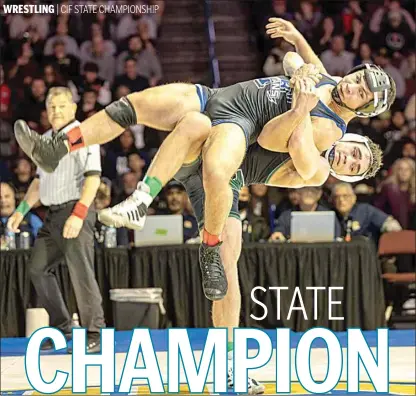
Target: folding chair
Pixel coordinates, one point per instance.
(396, 244)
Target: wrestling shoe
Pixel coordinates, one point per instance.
(130, 213)
(253, 387)
(45, 152)
(214, 280)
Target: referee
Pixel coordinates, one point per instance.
(68, 230)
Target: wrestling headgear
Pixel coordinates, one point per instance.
(379, 83)
(329, 155)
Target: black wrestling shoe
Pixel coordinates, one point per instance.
(45, 152)
(214, 280)
(47, 343)
(93, 343)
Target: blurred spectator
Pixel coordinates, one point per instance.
(125, 148)
(139, 138)
(176, 198)
(97, 54)
(31, 108)
(87, 46)
(384, 61)
(128, 25)
(44, 124)
(323, 35)
(260, 203)
(70, 43)
(129, 182)
(278, 9)
(398, 192)
(410, 111)
(23, 69)
(408, 71)
(148, 64)
(136, 164)
(23, 176)
(89, 81)
(254, 225)
(8, 145)
(73, 21)
(357, 35)
(308, 202)
(144, 33)
(99, 22)
(307, 19)
(5, 98)
(23, 23)
(31, 223)
(102, 201)
(364, 55)
(360, 218)
(349, 13)
(409, 150)
(273, 66)
(408, 67)
(396, 35)
(290, 202)
(67, 64)
(52, 77)
(337, 61)
(160, 11)
(381, 14)
(394, 136)
(131, 78)
(121, 91)
(88, 105)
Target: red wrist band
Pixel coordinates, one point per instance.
(80, 210)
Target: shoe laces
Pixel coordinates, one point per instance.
(128, 204)
(211, 264)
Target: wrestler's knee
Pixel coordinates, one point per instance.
(196, 125)
(214, 174)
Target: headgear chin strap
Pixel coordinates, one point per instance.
(348, 137)
(379, 84)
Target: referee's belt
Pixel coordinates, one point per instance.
(55, 208)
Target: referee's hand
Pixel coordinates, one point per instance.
(72, 227)
(14, 221)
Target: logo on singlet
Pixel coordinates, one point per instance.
(276, 88)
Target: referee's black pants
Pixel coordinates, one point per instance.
(49, 250)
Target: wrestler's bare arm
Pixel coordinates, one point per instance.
(276, 133)
(278, 27)
(288, 177)
(302, 150)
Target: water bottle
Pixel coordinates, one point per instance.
(75, 320)
(110, 240)
(10, 240)
(24, 240)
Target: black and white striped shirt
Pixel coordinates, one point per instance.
(66, 182)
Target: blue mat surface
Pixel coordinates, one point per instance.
(397, 338)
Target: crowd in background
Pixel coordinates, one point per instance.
(102, 57)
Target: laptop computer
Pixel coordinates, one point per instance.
(160, 230)
(312, 226)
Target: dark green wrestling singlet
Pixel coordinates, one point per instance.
(257, 168)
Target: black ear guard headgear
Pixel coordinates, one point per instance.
(379, 83)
